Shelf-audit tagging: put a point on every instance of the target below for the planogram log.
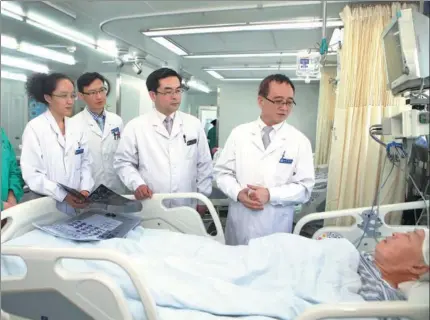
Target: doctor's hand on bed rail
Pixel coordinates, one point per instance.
(143, 192)
(244, 197)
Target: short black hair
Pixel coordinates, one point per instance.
(153, 80)
(263, 90)
(39, 84)
(213, 122)
(89, 77)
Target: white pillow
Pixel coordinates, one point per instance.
(416, 291)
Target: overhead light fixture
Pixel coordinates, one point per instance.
(46, 53)
(291, 25)
(198, 85)
(28, 48)
(13, 76)
(50, 26)
(9, 42)
(248, 55)
(260, 79)
(214, 74)
(253, 68)
(12, 10)
(23, 64)
(170, 45)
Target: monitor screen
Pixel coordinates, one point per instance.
(393, 53)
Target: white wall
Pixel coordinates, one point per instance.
(14, 110)
(196, 99)
(238, 104)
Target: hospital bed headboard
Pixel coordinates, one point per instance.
(376, 226)
(155, 215)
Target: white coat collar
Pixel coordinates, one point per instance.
(94, 127)
(157, 119)
(279, 138)
(65, 141)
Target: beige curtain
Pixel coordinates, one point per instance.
(356, 161)
(326, 106)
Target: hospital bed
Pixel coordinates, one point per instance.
(48, 286)
(365, 233)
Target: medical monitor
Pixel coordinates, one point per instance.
(406, 46)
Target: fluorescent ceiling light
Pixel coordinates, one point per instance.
(13, 76)
(253, 68)
(59, 28)
(197, 85)
(11, 15)
(23, 64)
(298, 25)
(12, 7)
(170, 45)
(260, 79)
(248, 55)
(9, 42)
(215, 74)
(46, 53)
(25, 47)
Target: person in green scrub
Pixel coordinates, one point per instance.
(212, 137)
(12, 184)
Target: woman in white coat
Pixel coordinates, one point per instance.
(53, 151)
(103, 129)
(265, 167)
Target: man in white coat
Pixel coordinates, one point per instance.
(165, 150)
(103, 129)
(265, 167)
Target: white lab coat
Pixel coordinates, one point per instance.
(244, 161)
(102, 147)
(181, 162)
(48, 157)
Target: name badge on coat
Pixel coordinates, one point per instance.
(285, 160)
(116, 133)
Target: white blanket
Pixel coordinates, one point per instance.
(193, 277)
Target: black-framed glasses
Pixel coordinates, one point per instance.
(170, 92)
(65, 96)
(93, 93)
(280, 103)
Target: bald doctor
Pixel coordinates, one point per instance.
(165, 150)
(266, 167)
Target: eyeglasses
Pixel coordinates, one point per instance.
(65, 96)
(171, 92)
(280, 103)
(94, 93)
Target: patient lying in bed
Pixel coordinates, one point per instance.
(400, 258)
(274, 277)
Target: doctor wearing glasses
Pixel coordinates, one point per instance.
(165, 150)
(54, 151)
(103, 129)
(266, 167)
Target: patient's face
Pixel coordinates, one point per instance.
(402, 252)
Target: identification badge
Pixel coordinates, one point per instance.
(116, 133)
(191, 142)
(286, 161)
(79, 151)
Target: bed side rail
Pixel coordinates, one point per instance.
(403, 309)
(94, 293)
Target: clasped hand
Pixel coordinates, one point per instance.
(254, 197)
